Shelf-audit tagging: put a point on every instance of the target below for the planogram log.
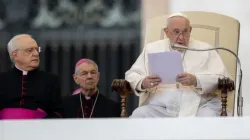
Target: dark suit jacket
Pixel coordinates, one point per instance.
(37, 89)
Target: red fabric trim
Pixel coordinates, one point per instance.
(23, 93)
(21, 113)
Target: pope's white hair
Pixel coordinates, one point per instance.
(176, 15)
(12, 45)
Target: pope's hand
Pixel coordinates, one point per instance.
(187, 79)
(150, 82)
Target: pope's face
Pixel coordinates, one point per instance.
(178, 31)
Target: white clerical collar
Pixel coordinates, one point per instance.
(24, 72)
(87, 97)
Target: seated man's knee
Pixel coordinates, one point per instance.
(141, 111)
(207, 112)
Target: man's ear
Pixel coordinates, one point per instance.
(166, 31)
(98, 76)
(14, 54)
(75, 79)
(191, 29)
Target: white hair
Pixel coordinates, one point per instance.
(89, 62)
(176, 15)
(12, 46)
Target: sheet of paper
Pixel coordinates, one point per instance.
(166, 65)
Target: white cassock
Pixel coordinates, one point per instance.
(170, 101)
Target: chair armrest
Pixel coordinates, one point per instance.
(123, 88)
(225, 85)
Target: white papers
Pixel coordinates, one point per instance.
(166, 65)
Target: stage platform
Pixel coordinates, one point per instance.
(127, 129)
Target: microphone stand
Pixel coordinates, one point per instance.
(240, 97)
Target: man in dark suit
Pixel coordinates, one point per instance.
(25, 91)
(89, 102)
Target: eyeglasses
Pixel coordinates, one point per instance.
(177, 32)
(85, 73)
(30, 50)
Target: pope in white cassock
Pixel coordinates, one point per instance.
(195, 94)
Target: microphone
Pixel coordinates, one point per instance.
(239, 98)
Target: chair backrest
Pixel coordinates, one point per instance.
(215, 29)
